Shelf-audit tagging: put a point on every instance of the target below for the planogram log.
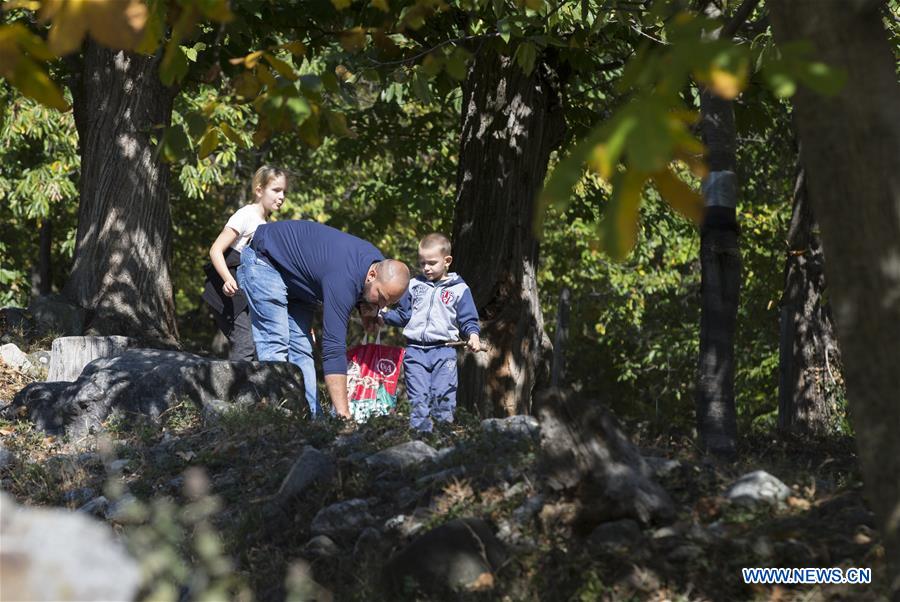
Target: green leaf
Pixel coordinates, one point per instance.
(504, 29)
(175, 144)
(526, 54)
(174, 65)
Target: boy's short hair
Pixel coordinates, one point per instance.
(436, 239)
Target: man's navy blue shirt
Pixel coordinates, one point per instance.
(320, 264)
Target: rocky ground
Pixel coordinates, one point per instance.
(256, 502)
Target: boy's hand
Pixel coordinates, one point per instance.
(230, 288)
(474, 343)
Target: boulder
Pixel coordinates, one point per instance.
(584, 449)
(146, 382)
(461, 555)
(757, 488)
(321, 546)
(15, 357)
(403, 456)
(615, 537)
(311, 467)
(60, 555)
(342, 521)
(515, 427)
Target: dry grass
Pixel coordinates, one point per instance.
(11, 381)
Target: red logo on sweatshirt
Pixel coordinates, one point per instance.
(447, 297)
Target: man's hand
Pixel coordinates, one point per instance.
(337, 390)
(230, 288)
(474, 342)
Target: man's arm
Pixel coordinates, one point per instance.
(337, 390)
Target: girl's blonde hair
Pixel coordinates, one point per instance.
(266, 174)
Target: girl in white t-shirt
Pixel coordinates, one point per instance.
(227, 301)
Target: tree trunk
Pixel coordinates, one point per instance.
(808, 356)
(69, 355)
(510, 123)
(851, 153)
(561, 338)
(41, 274)
(720, 265)
(121, 265)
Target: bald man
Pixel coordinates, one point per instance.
(294, 265)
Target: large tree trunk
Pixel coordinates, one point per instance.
(510, 123)
(808, 357)
(121, 266)
(851, 153)
(720, 265)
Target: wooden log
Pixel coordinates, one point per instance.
(69, 355)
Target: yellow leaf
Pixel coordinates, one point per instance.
(208, 143)
(599, 161)
(70, 23)
(246, 85)
(118, 24)
(619, 227)
(534, 4)
(32, 81)
(232, 135)
(297, 48)
(265, 76)
(341, 4)
(353, 40)
(252, 59)
(283, 69)
(679, 195)
(381, 5)
(261, 134)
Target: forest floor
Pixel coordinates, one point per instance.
(186, 478)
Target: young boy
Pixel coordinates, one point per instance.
(437, 309)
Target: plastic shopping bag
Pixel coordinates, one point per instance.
(373, 372)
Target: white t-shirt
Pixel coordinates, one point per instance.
(244, 222)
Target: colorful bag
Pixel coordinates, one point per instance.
(373, 372)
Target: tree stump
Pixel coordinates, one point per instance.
(69, 355)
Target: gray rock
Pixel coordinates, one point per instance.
(615, 537)
(583, 448)
(6, 457)
(403, 456)
(98, 506)
(122, 510)
(439, 477)
(147, 382)
(15, 357)
(662, 467)
(518, 427)
(79, 496)
(54, 314)
(321, 546)
(529, 509)
(758, 487)
(118, 465)
(342, 521)
(444, 453)
(61, 555)
(311, 467)
(685, 553)
(461, 555)
(15, 319)
(40, 358)
(368, 542)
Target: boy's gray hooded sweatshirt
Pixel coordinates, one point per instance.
(435, 312)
